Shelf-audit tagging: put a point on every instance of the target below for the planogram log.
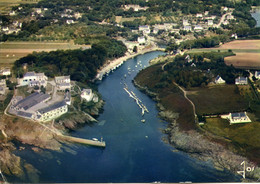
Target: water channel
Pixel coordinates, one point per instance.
(135, 151)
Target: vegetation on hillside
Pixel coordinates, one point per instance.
(81, 65)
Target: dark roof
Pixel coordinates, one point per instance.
(24, 114)
(238, 115)
(32, 100)
(52, 107)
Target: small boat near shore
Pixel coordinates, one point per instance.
(143, 120)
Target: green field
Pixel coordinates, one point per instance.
(217, 99)
(245, 138)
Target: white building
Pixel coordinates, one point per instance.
(219, 80)
(52, 111)
(198, 28)
(141, 40)
(5, 72)
(70, 22)
(257, 74)
(185, 22)
(87, 94)
(63, 83)
(187, 28)
(199, 15)
(241, 81)
(240, 117)
(32, 77)
(145, 29)
(210, 23)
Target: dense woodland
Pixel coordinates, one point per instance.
(81, 65)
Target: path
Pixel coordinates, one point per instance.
(185, 96)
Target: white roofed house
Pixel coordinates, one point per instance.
(87, 94)
(241, 81)
(70, 21)
(210, 23)
(219, 80)
(63, 83)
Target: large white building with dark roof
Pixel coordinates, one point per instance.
(52, 111)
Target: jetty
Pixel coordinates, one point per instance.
(137, 100)
(84, 141)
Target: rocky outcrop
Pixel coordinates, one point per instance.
(200, 145)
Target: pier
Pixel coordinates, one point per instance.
(84, 141)
(137, 100)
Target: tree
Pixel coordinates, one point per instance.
(135, 49)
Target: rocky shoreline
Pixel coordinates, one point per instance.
(39, 137)
(200, 145)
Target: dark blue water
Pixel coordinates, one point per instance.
(134, 152)
(256, 16)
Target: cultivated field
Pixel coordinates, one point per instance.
(6, 5)
(247, 53)
(244, 60)
(11, 51)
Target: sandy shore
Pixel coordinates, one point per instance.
(109, 65)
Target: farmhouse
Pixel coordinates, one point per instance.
(52, 111)
(30, 78)
(210, 22)
(240, 117)
(241, 81)
(198, 28)
(70, 21)
(219, 80)
(87, 94)
(63, 83)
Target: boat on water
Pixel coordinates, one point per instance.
(94, 139)
(143, 120)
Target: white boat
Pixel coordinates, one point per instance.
(143, 120)
(94, 139)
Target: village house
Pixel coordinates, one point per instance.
(5, 72)
(134, 7)
(38, 10)
(77, 15)
(145, 29)
(188, 59)
(187, 28)
(51, 112)
(87, 94)
(210, 23)
(257, 74)
(185, 22)
(241, 81)
(30, 78)
(12, 13)
(70, 21)
(199, 15)
(63, 83)
(219, 80)
(240, 117)
(67, 98)
(141, 40)
(198, 28)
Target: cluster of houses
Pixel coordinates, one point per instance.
(3, 87)
(5, 72)
(41, 106)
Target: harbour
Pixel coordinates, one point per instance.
(134, 151)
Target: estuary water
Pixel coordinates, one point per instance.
(134, 150)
